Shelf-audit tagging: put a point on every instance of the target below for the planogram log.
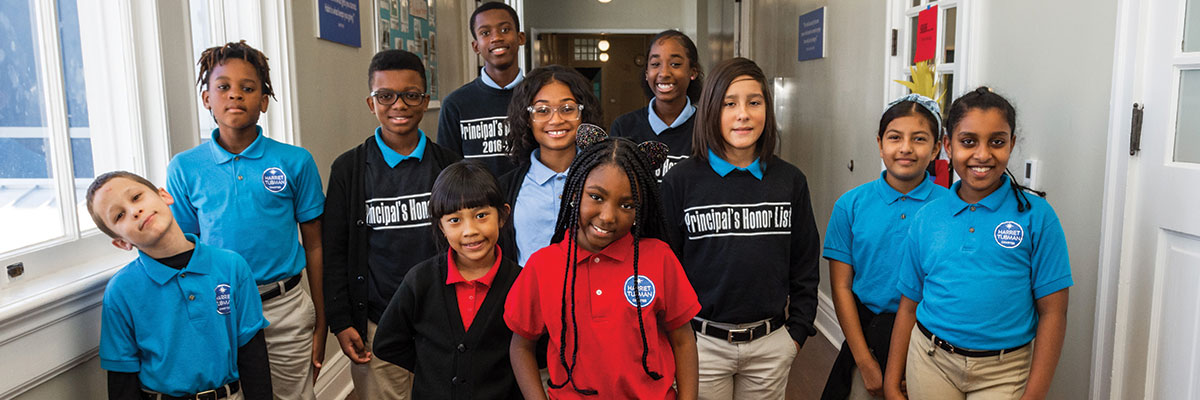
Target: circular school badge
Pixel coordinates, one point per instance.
(274, 179)
(222, 295)
(1009, 234)
(644, 289)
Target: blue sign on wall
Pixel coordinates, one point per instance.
(339, 22)
(812, 35)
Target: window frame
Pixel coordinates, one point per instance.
(896, 67)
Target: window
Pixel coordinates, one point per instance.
(949, 59)
(53, 140)
(586, 49)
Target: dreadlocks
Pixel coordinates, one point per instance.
(214, 56)
(648, 223)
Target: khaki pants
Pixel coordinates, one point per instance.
(378, 379)
(946, 375)
(289, 342)
(753, 370)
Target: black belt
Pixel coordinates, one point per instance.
(218, 393)
(944, 345)
(275, 292)
(739, 335)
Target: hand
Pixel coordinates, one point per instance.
(872, 377)
(352, 346)
(896, 393)
(797, 346)
(318, 351)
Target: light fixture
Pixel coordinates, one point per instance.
(603, 57)
(605, 1)
(602, 45)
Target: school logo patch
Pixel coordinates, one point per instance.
(222, 294)
(1009, 234)
(274, 179)
(644, 288)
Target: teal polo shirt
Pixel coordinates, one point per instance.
(976, 270)
(249, 202)
(865, 228)
(722, 167)
(180, 330)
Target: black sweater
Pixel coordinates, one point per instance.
(422, 331)
(510, 184)
(635, 126)
(747, 245)
(345, 235)
(473, 123)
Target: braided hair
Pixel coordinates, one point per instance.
(215, 56)
(983, 98)
(648, 223)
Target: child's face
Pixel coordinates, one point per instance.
(906, 148)
(606, 211)
(235, 94)
(668, 71)
(398, 118)
(557, 132)
(137, 214)
(979, 148)
(743, 115)
(497, 39)
(472, 233)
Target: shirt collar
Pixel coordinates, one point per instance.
(453, 276)
(657, 124)
(539, 172)
(619, 251)
(487, 80)
(723, 167)
(890, 194)
(393, 157)
(992, 202)
(160, 273)
(254, 151)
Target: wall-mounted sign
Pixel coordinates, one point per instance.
(337, 21)
(812, 35)
(926, 35)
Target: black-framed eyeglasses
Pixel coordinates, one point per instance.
(542, 112)
(388, 97)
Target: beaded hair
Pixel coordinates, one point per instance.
(983, 98)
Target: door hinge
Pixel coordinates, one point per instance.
(895, 38)
(1135, 129)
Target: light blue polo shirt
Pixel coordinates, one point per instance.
(180, 330)
(866, 225)
(250, 202)
(722, 167)
(487, 80)
(976, 269)
(393, 157)
(536, 210)
(658, 126)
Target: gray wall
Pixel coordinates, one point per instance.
(1057, 75)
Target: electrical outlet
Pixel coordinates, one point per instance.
(1030, 175)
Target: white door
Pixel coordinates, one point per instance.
(1157, 345)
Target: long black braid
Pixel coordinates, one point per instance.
(983, 98)
(648, 223)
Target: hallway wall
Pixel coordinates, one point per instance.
(837, 102)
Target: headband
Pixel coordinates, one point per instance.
(929, 104)
(590, 134)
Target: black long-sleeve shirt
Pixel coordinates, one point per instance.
(473, 122)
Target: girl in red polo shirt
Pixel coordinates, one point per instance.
(608, 291)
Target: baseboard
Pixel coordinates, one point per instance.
(826, 321)
(334, 382)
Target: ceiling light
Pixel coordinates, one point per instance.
(602, 45)
(603, 57)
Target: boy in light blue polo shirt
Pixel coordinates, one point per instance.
(245, 192)
(183, 318)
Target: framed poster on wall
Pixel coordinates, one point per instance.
(410, 25)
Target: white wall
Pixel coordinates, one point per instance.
(1058, 76)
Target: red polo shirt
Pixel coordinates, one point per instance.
(610, 343)
(470, 294)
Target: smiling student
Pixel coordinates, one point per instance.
(472, 121)
(985, 274)
(673, 81)
(377, 222)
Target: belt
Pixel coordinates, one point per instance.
(738, 335)
(287, 285)
(218, 393)
(944, 345)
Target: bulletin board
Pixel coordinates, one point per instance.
(410, 25)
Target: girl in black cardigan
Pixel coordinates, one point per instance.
(445, 323)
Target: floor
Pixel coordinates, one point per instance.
(809, 371)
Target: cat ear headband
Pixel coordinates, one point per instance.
(590, 134)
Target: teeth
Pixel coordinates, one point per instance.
(981, 169)
(556, 133)
(499, 51)
(597, 229)
(663, 87)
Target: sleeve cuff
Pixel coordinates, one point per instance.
(684, 318)
(120, 366)
(911, 293)
(310, 214)
(248, 334)
(1053, 286)
(838, 255)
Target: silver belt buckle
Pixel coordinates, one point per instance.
(729, 335)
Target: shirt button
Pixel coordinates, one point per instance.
(972, 230)
(183, 274)
(902, 216)
(903, 198)
(972, 208)
(599, 292)
(471, 297)
(236, 158)
(360, 278)
(191, 297)
(239, 177)
(462, 348)
(359, 222)
(362, 305)
(596, 260)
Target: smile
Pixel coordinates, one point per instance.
(399, 119)
(474, 245)
(499, 51)
(557, 133)
(600, 231)
(665, 87)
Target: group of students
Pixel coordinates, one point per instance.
(677, 258)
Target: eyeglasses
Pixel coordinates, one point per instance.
(388, 97)
(569, 112)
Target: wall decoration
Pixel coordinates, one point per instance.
(409, 25)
